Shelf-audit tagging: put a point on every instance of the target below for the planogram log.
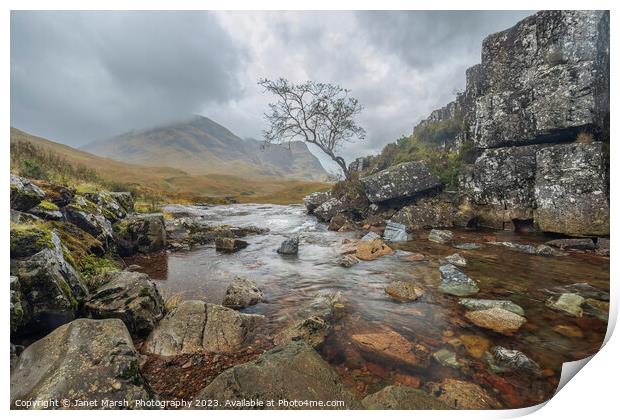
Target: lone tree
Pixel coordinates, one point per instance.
(317, 113)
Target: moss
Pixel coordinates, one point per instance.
(91, 265)
(29, 238)
(66, 291)
(87, 188)
(47, 206)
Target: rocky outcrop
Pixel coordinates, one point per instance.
(89, 217)
(131, 297)
(314, 200)
(294, 372)
(24, 193)
(538, 79)
(144, 233)
(19, 309)
(571, 190)
(89, 360)
(427, 213)
(402, 181)
(116, 205)
(195, 326)
(50, 286)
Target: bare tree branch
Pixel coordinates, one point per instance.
(322, 114)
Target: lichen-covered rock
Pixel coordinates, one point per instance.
(195, 326)
(314, 200)
(402, 181)
(571, 190)
(426, 214)
(223, 244)
(539, 79)
(402, 398)
(496, 319)
(446, 358)
(89, 360)
(28, 239)
(289, 246)
(60, 195)
(116, 204)
(144, 233)
(478, 304)
(24, 193)
(241, 293)
(455, 282)
(502, 185)
(89, 217)
(294, 372)
(328, 209)
(129, 296)
(50, 285)
(21, 217)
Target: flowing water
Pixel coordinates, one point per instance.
(435, 320)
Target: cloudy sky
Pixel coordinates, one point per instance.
(77, 77)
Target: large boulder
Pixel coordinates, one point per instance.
(144, 233)
(24, 193)
(129, 296)
(89, 360)
(402, 398)
(314, 200)
(50, 285)
(571, 190)
(241, 293)
(195, 326)
(289, 246)
(540, 80)
(91, 218)
(292, 373)
(402, 181)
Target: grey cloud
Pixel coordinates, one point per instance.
(80, 76)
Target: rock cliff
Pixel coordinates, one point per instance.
(534, 118)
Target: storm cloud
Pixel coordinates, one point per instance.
(82, 76)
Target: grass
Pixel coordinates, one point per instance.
(151, 186)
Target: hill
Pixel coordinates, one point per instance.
(201, 146)
(41, 158)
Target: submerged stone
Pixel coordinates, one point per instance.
(456, 283)
(496, 319)
(394, 397)
(596, 308)
(392, 346)
(567, 302)
(440, 236)
(475, 345)
(467, 246)
(506, 360)
(457, 260)
(477, 304)
(446, 358)
(404, 290)
(463, 395)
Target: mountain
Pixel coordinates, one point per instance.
(65, 164)
(201, 146)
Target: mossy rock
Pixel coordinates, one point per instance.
(28, 239)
